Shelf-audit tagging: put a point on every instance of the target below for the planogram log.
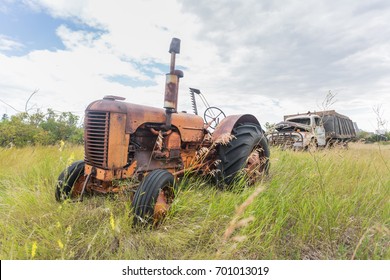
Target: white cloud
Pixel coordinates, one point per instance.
(296, 52)
(268, 58)
(7, 44)
(69, 79)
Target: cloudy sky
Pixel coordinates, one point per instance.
(267, 58)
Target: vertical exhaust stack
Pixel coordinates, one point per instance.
(172, 83)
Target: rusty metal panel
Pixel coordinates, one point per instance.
(173, 145)
(171, 90)
(226, 126)
(190, 126)
(118, 141)
(111, 174)
(107, 105)
(146, 162)
(188, 157)
(138, 115)
(172, 141)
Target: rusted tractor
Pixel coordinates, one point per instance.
(144, 151)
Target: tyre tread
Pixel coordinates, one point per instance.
(67, 179)
(147, 192)
(234, 155)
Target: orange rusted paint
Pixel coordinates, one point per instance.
(77, 187)
(112, 174)
(253, 166)
(190, 126)
(171, 91)
(226, 126)
(161, 207)
(118, 142)
(173, 141)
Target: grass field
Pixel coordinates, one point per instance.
(329, 204)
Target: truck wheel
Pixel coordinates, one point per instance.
(247, 151)
(153, 197)
(70, 182)
(313, 145)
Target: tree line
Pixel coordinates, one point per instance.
(40, 128)
(50, 128)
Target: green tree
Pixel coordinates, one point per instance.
(270, 127)
(362, 135)
(40, 128)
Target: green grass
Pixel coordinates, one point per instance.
(330, 204)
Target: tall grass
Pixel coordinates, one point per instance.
(327, 204)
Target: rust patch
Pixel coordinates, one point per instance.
(171, 92)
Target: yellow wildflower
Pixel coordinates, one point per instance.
(112, 221)
(34, 249)
(60, 244)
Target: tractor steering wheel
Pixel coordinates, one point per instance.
(212, 116)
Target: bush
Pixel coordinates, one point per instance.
(40, 129)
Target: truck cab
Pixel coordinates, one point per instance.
(299, 132)
(315, 130)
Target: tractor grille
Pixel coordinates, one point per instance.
(96, 138)
(283, 140)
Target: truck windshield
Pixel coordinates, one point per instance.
(305, 121)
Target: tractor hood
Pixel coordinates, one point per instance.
(190, 126)
(288, 125)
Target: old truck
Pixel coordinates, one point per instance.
(318, 129)
(143, 151)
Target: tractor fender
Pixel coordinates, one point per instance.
(226, 126)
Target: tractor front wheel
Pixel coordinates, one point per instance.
(70, 182)
(153, 198)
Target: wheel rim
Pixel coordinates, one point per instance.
(77, 187)
(163, 203)
(253, 166)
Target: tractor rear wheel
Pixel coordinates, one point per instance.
(248, 151)
(153, 198)
(70, 182)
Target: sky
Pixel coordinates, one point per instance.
(266, 58)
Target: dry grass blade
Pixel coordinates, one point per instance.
(378, 228)
(236, 222)
(224, 139)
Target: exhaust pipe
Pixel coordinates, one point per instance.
(172, 83)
